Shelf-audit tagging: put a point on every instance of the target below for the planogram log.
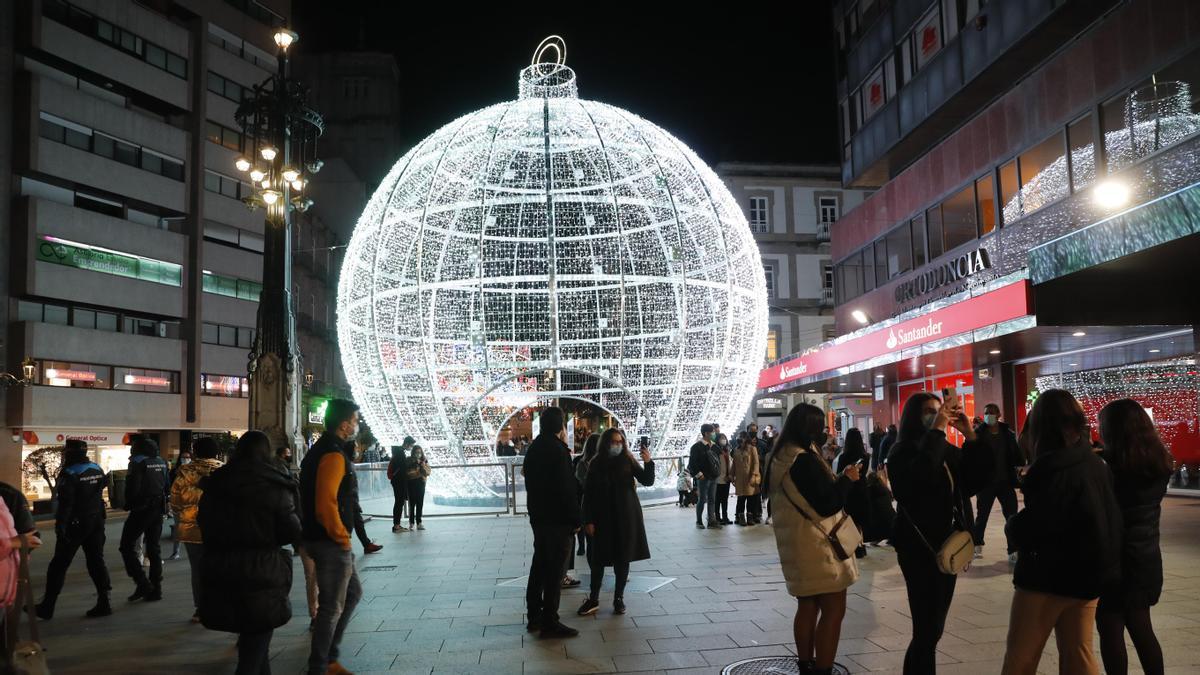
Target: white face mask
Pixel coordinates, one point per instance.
(614, 450)
(185, 460)
(991, 419)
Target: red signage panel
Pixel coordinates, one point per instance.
(1003, 304)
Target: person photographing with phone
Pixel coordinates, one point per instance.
(612, 515)
(933, 482)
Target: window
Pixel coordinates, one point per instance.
(98, 205)
(231, 386)
(925, 40)
(826, 275)
(83, 318)
(985, 193)
(83, 256)
(209, 333)
(56, 314)
(869, 278)
(1043, 174)
(934, 238)
(80, 137)
(79, 375)
(225, 186)
(873, 94)
(758, 215)
(231, 287)
(919, 242)
(106, 321)
(1010, 194)
(223, 135)
(1081, 140)
(852, 277)
(899, 247)
(141, 379)
(772, 344)
(84, 22)
(881, 274)
(225, 87)
(769, 272)
(958, 219)
(1118, 153)
(829, 209)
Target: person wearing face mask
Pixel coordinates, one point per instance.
(612, 515)
(185, 503)
(933, 482)
(724, 476)
(703, 465)
(417, 473)
(1004, 450)
(329, 503)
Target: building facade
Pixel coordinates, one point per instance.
(791, 209)
(132, 267)
(1040, 165)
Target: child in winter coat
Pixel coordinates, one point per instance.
(684, 486)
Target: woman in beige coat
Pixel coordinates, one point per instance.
(808, 504)
(185, 503)
(746, 476)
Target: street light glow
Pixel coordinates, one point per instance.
(860, 316)
(285, 38)
(1111, 194)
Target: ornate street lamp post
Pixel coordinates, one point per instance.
(281, 132)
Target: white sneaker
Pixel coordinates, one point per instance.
(978, 552)
(420, 526)
(1012, 558)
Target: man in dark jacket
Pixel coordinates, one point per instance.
(703, 464)
(396, 471)
(79, 521)
(555, 516)
(1007, 455)
(146, 490)
(328, 506)
(879, 459)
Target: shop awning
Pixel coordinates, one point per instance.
(980, 317)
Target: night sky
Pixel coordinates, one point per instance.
(755, 87)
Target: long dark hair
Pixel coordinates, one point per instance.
(854, 449)
(590, 447)
(1056, 417)
(604, 464)
(801, 428)
(1131, 443)
(912, 423)
(253, 446)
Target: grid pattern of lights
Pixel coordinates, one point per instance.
(550, 247)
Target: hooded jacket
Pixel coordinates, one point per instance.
(185, 497)
(1068, 536)
(247, 510)
(148, 481)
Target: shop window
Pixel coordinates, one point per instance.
(958, 219)
(1083, 153)
(899, 248)
(79, 375)
(141, 379)
(985, 194)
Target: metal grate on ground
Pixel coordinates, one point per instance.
(772, 665)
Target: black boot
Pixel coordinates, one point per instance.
(102, 607)
(805, 667)
(155, 593)
(45, 609)
(141, 592)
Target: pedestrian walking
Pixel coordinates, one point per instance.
(78, 522)
(814, 535)
(724, 471)
(416, 474)
(247, 513)
(747, 477)
(185, 503)
(360, 523)
(146, 501)
(1141, 467)
(703, 464)
(554, 516)
(1002, 442)
(612, 515)
(328, 505)
(933, 482)
(396, 473)
(1068, 540)
(186, 456)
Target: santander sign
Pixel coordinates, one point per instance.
(1003, 304)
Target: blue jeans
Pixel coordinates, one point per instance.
(338, 592)
(707, 490)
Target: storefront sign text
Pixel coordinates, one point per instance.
(957, 269)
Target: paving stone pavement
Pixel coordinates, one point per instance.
(436, 605)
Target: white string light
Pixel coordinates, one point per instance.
(550, 247)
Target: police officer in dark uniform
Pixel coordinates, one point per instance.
(146, 487)
(79, 522)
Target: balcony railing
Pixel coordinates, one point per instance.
(827, 297)
(823, 231)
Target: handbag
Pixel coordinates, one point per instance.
(957, 552)
(843, 538)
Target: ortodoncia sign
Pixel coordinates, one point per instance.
(954, 270)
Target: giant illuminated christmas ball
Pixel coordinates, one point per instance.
(544, 248)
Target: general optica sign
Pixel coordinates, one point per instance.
(1002, 304)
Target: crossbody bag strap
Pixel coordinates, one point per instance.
(955, 511)
(816, 523)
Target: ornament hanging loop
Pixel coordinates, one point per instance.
(555, 43)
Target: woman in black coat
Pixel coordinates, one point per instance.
(247, 512)
(931, 507)
(612, 515)
(857, 501)
(1068, 540)
(1141, 467)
